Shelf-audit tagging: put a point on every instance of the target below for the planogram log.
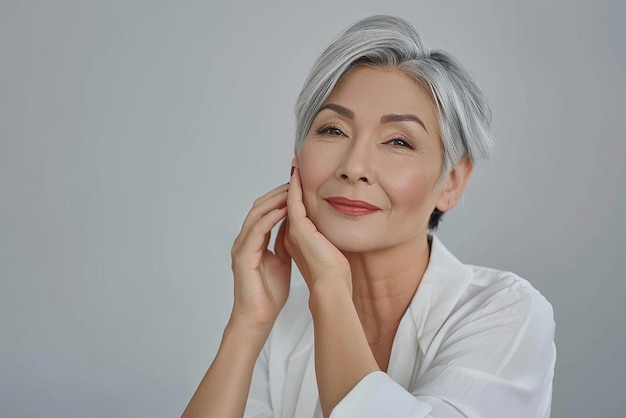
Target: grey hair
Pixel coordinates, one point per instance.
(387, 41)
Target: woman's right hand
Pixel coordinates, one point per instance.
(261, 276)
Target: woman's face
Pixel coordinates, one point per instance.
(371, 161)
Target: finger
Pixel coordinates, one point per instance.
(276, 201)
(255, 239)
(275, 191)
(266, 240)
(295, 206)
(273, 200)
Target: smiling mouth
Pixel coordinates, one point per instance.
(350, 207)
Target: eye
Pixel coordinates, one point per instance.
(330, 130)
(400, 143)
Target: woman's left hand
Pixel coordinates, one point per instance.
(316, 257)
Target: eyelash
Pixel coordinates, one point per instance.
(326, 131)
(407, 143)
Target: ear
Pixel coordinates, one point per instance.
(454, 184)
(294, 160)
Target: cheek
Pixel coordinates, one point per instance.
(310, 185)
(313, 173)
(412, 191)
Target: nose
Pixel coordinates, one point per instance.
(356, 163)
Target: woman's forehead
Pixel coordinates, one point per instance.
(374, 92)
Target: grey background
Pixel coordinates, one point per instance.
(134, 136)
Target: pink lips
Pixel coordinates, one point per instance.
(350, 207)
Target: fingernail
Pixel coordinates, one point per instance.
(292, 168)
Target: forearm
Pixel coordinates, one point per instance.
(342, 355)
(224, 389)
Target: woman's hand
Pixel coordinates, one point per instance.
(261, 289)
(317, 258)
(261, 276)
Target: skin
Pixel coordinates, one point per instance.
(362, 271)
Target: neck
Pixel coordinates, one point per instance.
(384, 283)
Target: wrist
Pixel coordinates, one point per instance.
(248, 336)
(330, 292)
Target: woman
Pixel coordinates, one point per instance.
(387, 135)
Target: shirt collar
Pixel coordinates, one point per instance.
(444, 282)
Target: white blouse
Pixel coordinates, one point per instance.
(474, 342)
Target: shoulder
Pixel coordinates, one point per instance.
(475, 288)
(503, 318)
(465, 302)
(500, 325)
(495, 290)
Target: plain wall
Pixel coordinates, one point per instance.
(134, 136)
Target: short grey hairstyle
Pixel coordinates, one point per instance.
(387, 41)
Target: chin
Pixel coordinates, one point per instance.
(351, 240)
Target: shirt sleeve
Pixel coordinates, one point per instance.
(259, 404)
(498, 361)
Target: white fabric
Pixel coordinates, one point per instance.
(474, 342)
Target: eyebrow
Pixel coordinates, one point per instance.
(401, 118)
(344, 111)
